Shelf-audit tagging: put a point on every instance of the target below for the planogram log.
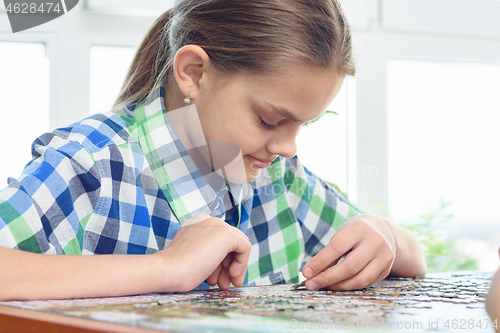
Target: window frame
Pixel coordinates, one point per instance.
(376, 40)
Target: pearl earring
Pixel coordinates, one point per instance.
(187, 100)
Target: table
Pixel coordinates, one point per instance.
(443, 302)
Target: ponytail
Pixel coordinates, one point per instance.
(151, 64)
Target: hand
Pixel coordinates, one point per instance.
(208, 247)
(370, 247)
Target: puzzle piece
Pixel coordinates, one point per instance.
(436, 297)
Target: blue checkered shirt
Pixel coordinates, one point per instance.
(122, 183)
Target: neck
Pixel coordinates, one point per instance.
(174, 99)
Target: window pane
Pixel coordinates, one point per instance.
(24, 92)
(444, 144)
(322, 145)
(108, 68)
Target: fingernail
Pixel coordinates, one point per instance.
(308, 273)
(311, 285)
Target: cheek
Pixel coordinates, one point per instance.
(251, 141)
(244, 132)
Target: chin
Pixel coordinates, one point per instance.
(251, 175)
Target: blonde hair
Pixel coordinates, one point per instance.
(240, 35)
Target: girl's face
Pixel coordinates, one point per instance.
(263, 114)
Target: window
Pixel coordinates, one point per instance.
(323, 145)
(108, 67)
(24, 92)
(444, 144)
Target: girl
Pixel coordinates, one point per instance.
(133, 185)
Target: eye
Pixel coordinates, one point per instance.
(267, 126)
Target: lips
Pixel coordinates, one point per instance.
(259, 163)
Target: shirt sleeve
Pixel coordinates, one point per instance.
(319, 209)
(46, 209)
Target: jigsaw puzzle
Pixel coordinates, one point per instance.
(437, 302)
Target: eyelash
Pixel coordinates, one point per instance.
(267, 126)
(270, 127)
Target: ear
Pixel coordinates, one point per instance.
(190, 65)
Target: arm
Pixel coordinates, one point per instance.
(204, 247)
(26, 275)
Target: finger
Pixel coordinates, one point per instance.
(336, 261)
(373, 272)
(340, 243)
(212, 279)
(350, 266)
(239, 264)
(226, 263)
(238, 269)
(241, 247)
(224, 280)
(333, 263)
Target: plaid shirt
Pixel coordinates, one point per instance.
(124, 184)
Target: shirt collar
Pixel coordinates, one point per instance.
(181, 181)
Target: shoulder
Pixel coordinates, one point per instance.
(97, 132)
(91, 145)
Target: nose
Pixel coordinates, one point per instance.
(283, 144)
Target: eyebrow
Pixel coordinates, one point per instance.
(281, 111)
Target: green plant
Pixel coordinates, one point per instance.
(315, 120)
(440, 251)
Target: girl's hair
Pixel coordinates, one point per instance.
(256, 36)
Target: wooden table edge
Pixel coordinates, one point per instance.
(20, 320)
